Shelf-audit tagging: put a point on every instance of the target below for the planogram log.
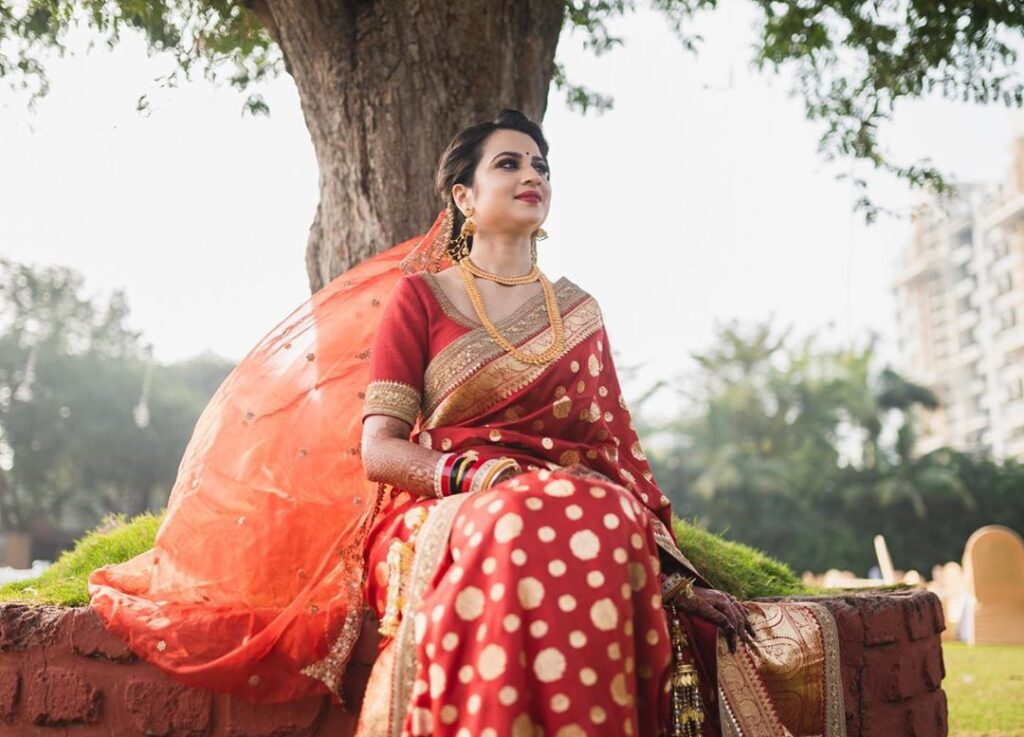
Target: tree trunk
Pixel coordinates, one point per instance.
(384, 86)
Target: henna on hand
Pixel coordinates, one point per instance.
(390, 457)
(722, 610)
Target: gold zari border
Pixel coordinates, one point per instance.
(492, 378)
(392, 398)
(746, 706)
(835, 709)
(461, 358)
(431, 544)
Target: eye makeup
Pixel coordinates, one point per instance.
(538, 162)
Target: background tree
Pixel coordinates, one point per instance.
(89, 424)
(384, 84)
(807, 453)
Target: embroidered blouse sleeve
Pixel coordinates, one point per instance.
(399, 356)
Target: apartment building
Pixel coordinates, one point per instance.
(960, 314)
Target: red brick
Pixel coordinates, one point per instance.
(851, 630)
(298, 718)
(879, 676)
(928, 716)
(885, 720)
(168, 709)
(61, 696)
(851, 687)
(891, 674)
(883, 620)
(851, 699)
(90, 638)
(920, 618)
(23, 626)
(10, 685)
(913, 661)
(934, 666)
(938, 617)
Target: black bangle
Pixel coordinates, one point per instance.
(458, 473)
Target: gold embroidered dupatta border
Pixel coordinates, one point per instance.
(745, 705)
(473, 373)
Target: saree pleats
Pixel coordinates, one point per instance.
(535, 605)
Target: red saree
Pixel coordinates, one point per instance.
(547, 594)
(547, 587)
(535, 607)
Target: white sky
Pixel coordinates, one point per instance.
(693, 201)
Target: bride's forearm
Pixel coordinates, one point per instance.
(394, 460)
(389, 457)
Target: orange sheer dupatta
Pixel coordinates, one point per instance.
(254, 585)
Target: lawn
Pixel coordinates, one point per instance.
(985, 688)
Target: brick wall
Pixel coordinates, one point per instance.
(892, 664)
(62, 673)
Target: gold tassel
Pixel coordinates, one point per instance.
(687, 705)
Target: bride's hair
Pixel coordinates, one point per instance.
(460, 159)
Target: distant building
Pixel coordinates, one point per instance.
(960, 314)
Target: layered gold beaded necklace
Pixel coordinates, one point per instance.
(467, 270)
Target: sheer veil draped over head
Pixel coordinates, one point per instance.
(254, 584)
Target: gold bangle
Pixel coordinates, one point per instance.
(503, 464)
(496, 469)
(677, 586)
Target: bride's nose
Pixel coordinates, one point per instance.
(532, 176)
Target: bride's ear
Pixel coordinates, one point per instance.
(461, 197)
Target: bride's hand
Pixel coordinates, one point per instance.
(720, 609)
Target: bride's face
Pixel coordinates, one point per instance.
(511, 164)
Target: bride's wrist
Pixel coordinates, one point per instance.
(457, 473)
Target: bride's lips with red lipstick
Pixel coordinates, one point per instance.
(529, 196)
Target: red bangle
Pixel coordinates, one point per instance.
(446, 489)
(467, 477)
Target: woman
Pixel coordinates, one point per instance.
(517, 550)
(533, 604)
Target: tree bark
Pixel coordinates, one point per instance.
(384, 85)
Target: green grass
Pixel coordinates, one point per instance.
(66, 581)
(739, 569)
(984, 686)
(736, 568)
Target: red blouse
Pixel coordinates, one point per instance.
(418, 323)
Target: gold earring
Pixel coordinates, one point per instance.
(460, 246)
(538, 235)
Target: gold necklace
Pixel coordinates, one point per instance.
(554, 317)
(531, 276)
